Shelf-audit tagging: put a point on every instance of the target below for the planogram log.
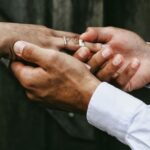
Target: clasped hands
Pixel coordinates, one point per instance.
(63, 81)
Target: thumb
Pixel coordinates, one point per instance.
(90, 35)
(31, 53)
(97, 34)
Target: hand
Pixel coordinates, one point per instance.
(131, 47)
(58, 80)
(40, 35)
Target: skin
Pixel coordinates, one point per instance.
(49, 39)
(49, 83)
(39, 35)
(43, 37)
(59, 79)
(132, 47)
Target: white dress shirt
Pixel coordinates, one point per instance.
(120, 115)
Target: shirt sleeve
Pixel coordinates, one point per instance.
(120, 115)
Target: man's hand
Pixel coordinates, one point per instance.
(58, 78)
(39, 35)
(131, 47)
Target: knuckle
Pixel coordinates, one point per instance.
(52, 58)
(83, 53)
(98, 46)
(45, 41)
(44, 29)
(47, 31)
(27, 82)
(44, 36)
(53, 55)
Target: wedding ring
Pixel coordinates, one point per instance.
(76, 41)
(81, 43)
(65, 40)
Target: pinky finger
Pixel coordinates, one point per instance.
(124, 79)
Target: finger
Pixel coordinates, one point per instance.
(94, 47)
(97, 34)
(22, 73)
(73, 41)
(28, 76)
(69, 43)
(100, 58)
(125, 77)
(31, 96)
(83, 54)
(33, 54)
(111, 67)
(72, 44)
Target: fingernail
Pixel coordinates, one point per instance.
(106, 52)
(83, 35)
(18, 47)
(135, 63)
(88, 66)
(117, 60)
(83, 53)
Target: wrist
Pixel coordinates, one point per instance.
(89, 88)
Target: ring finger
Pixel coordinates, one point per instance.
(100, 58)
(111, 67)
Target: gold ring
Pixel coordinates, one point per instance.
(81, 43)
(65, 40)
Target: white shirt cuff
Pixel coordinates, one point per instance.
(112, 110)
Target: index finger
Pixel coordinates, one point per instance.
(28, 76)
(33, 54)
